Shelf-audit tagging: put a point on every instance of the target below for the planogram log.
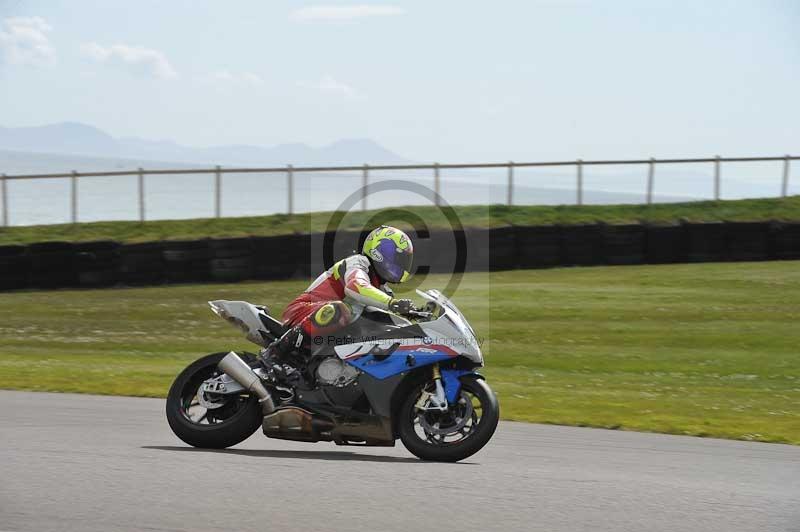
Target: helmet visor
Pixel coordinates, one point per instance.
(396, 264)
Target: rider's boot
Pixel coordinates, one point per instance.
(277, 354)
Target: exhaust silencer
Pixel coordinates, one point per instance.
(238, 370)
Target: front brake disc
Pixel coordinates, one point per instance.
(459, 414)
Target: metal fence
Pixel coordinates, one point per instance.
(289, 173)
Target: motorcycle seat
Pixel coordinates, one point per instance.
(274, 326)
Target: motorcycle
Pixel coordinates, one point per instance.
(383, 377)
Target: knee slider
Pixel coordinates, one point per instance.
(333, 312)
(326, 314)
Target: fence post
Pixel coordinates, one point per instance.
(364, 183)
(716, 179)
(217, 192)
(784, 185)
(74, 195)
(290, 188)
(579, 197)
(510, 199)
(141, 195)
(651, 170)
(5, 201)
(436, 184)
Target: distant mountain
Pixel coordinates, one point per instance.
(67, 137)
(58, 148)
(26, 162)
(72, 138)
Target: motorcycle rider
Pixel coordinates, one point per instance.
(325, 306)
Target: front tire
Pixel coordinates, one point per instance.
(426, 434)
(225, 426)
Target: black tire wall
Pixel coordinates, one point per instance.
(706, 242)
(107, 263)
(665, 244)
(15, 267)
(624, 244)
(97, 263)
(141, 264)
(785, 241)
(582, 245)
(53, 265)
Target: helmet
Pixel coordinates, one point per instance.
(391, 253)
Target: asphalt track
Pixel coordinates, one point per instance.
(88, 463)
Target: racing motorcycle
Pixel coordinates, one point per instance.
(381, 378)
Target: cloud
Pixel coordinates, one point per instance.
(343, 13)
(24, 41)
(331, 86)
(247, 78)
(138, 59)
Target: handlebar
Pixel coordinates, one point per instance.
(417, 313)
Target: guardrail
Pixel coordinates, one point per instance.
(365, 169)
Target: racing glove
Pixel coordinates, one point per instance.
(401, 306)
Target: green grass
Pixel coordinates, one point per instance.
(701, 349)
(470, 216)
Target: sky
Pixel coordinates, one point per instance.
(447, 81)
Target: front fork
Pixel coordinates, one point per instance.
(438, 399)
(447, 384)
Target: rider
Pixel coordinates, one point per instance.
(325, 306)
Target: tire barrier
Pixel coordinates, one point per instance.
(345, 243)
(747, 241)
(423, 254)
(15, 267)
(97, 263)
(53, 265)
(447, 251)
(300, 256)
(706, 242)
(539, 247)
(624, 244)
(785, 241)
(501, 252)
(142, 264)
(281, 257)
(581, 245)
(231, 259)
(187, 261)
(665, 244)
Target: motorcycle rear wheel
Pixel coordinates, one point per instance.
(216, 428)
(426, 434)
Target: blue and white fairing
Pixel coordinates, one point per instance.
(447, 337)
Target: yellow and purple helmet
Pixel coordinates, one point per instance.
(391, 253)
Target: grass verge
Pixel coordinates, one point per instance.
(700, 349)
(787, 209)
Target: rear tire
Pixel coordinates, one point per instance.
(243, 412)
(477, 437)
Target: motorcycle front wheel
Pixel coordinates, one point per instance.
(450, 436)
(209, 421)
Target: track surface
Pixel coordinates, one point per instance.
(87, 463)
